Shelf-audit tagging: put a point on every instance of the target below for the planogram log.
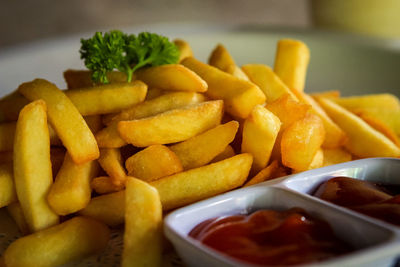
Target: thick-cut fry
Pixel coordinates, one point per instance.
(380, 126)
(158, 105)
(71, 189)
(335, 156)
(70, 126)
(172, 126)
(72, 240)
(193, 185)
(239, 96)
(32, 166)
(82, 78)
(7, 132)
(7, 188)
(11, 105)
(201, 149)
(291, 62)
(300, 142)
(334, 136)
(184, 49)
(263, 175)
(382, 101)
(107, 98)
(172, 77)
(227, 153)
(389, 117)
(221, 59)
(109, 208)
(270, 83)
(143, 225)
(104, 185)
(259, 134)
(153, 162)
(318, 160)
(364, 141)
(329, 94)
(111, 162)
(15, 211)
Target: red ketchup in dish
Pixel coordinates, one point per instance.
(270, 237)
(369, 198)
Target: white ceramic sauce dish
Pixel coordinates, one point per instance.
(377, 243)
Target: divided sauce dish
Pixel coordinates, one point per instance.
(376, 243)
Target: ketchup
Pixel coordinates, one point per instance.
(270, 237)
(375, 200)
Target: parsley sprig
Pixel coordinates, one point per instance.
(116, 50)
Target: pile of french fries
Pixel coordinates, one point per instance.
(76, 162)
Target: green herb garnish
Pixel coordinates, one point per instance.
(116, 50)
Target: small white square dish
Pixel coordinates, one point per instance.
(375, 243)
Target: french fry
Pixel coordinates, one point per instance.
(201, 149)
(107, 98)
(318, 160)
(65, 119)
(172, 77)
(291, 62)
(184, 49)
(7, 132)
(11, 105)
(104, 185)
(193, 185)
(268, 81)
(221, 59)
(172, 126)
(389, 117)
(263, 175)
(60, 244)
(301, 141)
(143, 225)
(109, 208)
(153, 162)
(82, 78)
(32, 166)
(111, 162)
(364, 141)
(227, 153)
(335, 156)
(239, 96)
(329, 94)
(380, 126)
(15, 211)
(7, 188)
(259, 134)
(381, 101)
(71, 189)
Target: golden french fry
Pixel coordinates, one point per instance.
(221, 59)
(143, 225)
(158, 105)
(291, 62)
(71, 189)
(193, 185)
(82, 78)
(109, 208)
(15, 211)
(380, 126)
(364, 141)
(172, 77)
(334, 135)
(389, 117)
(7, 188)
(111, 162)
(227, 153)
(11, 105)
(239, 96)
(184, 49)
(172, 126)
(104, 185)
(381, 101)
(153, 162)
(70, 241)
(259, 134)
(7, 132)
(318, 160)
(201, 149)
(335, 156)
(268, 81)
(301, 141)
(329, 94)
(107, 98)
(32, 166)
(263, 175)
(69, 125)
